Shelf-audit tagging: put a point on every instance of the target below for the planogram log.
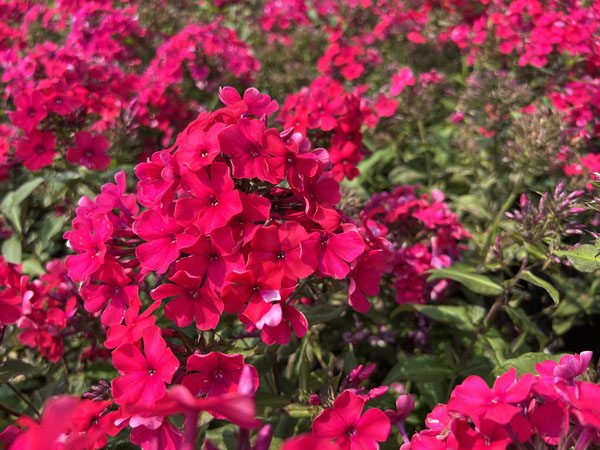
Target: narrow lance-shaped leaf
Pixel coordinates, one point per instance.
(475, 282)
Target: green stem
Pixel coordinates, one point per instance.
(423, 137)
(23, 397)
(497, 218)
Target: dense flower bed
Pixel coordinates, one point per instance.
(348, 225)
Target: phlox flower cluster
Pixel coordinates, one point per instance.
(45, 309)
(553, 409)
(330, 115)
(76, 95)
(424, 234)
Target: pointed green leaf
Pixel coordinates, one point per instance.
(533, 279)
(458, 316)
(522, 320)
(584, 258)
(11, 250)
(13, 368)
(419, 368)
(475, 282)
(26, 189)
(524, 363)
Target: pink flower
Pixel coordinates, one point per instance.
(475, 399)
(401, 80)
(351, 429)
(257, 103)
(281, 244)
(36, 150)
(215, 200)
(30, 111)
(166, 238)
(90, 151)
(333, 252)
(165, 437)
(10, 305)
(89, 241)
(199, 148)
(216, 373)
(416, 37)
(385, 107)
(309, 441)
(55, 420)
(143, 377)
(192, 301)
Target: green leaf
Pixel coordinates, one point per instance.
(50, 228)
(524, 363)
(458, 316)
(522, 320)
(583, 257)
(32, 267)
(25, 190)
(533, 279)
(475, 282)
(11, 211)
(265, 400)
(13, 368)
(321, 313)
(11, 250)
(297, 410)
(419, 368)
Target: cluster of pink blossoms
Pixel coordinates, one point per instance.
(74, 97)
(428, 236)
(336, 116)
(219, 227)
(554, 408)
(43, 309)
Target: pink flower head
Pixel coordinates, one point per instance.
(10, 304)
(280, 333)
(309, 441)
(261, 284)
(90, 151)
(404, 406)
(385, 107)
(237, 407)
(192, 301)
(62, 103)
(215, 200)
(333, 252)
(135, 324)
(349, 427)
(166, 437)
(157, 179)
(569, 367)
(281, 244)
(143, 377)
(92, 421)
(89, 241)
(115, 293)
(166, 239)
(216, 373)
(54, 422)
(401, 80)
(199, 148)
(36, 150)
(30, 110)
(499, 404)
(365, 278)
(257, 103)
